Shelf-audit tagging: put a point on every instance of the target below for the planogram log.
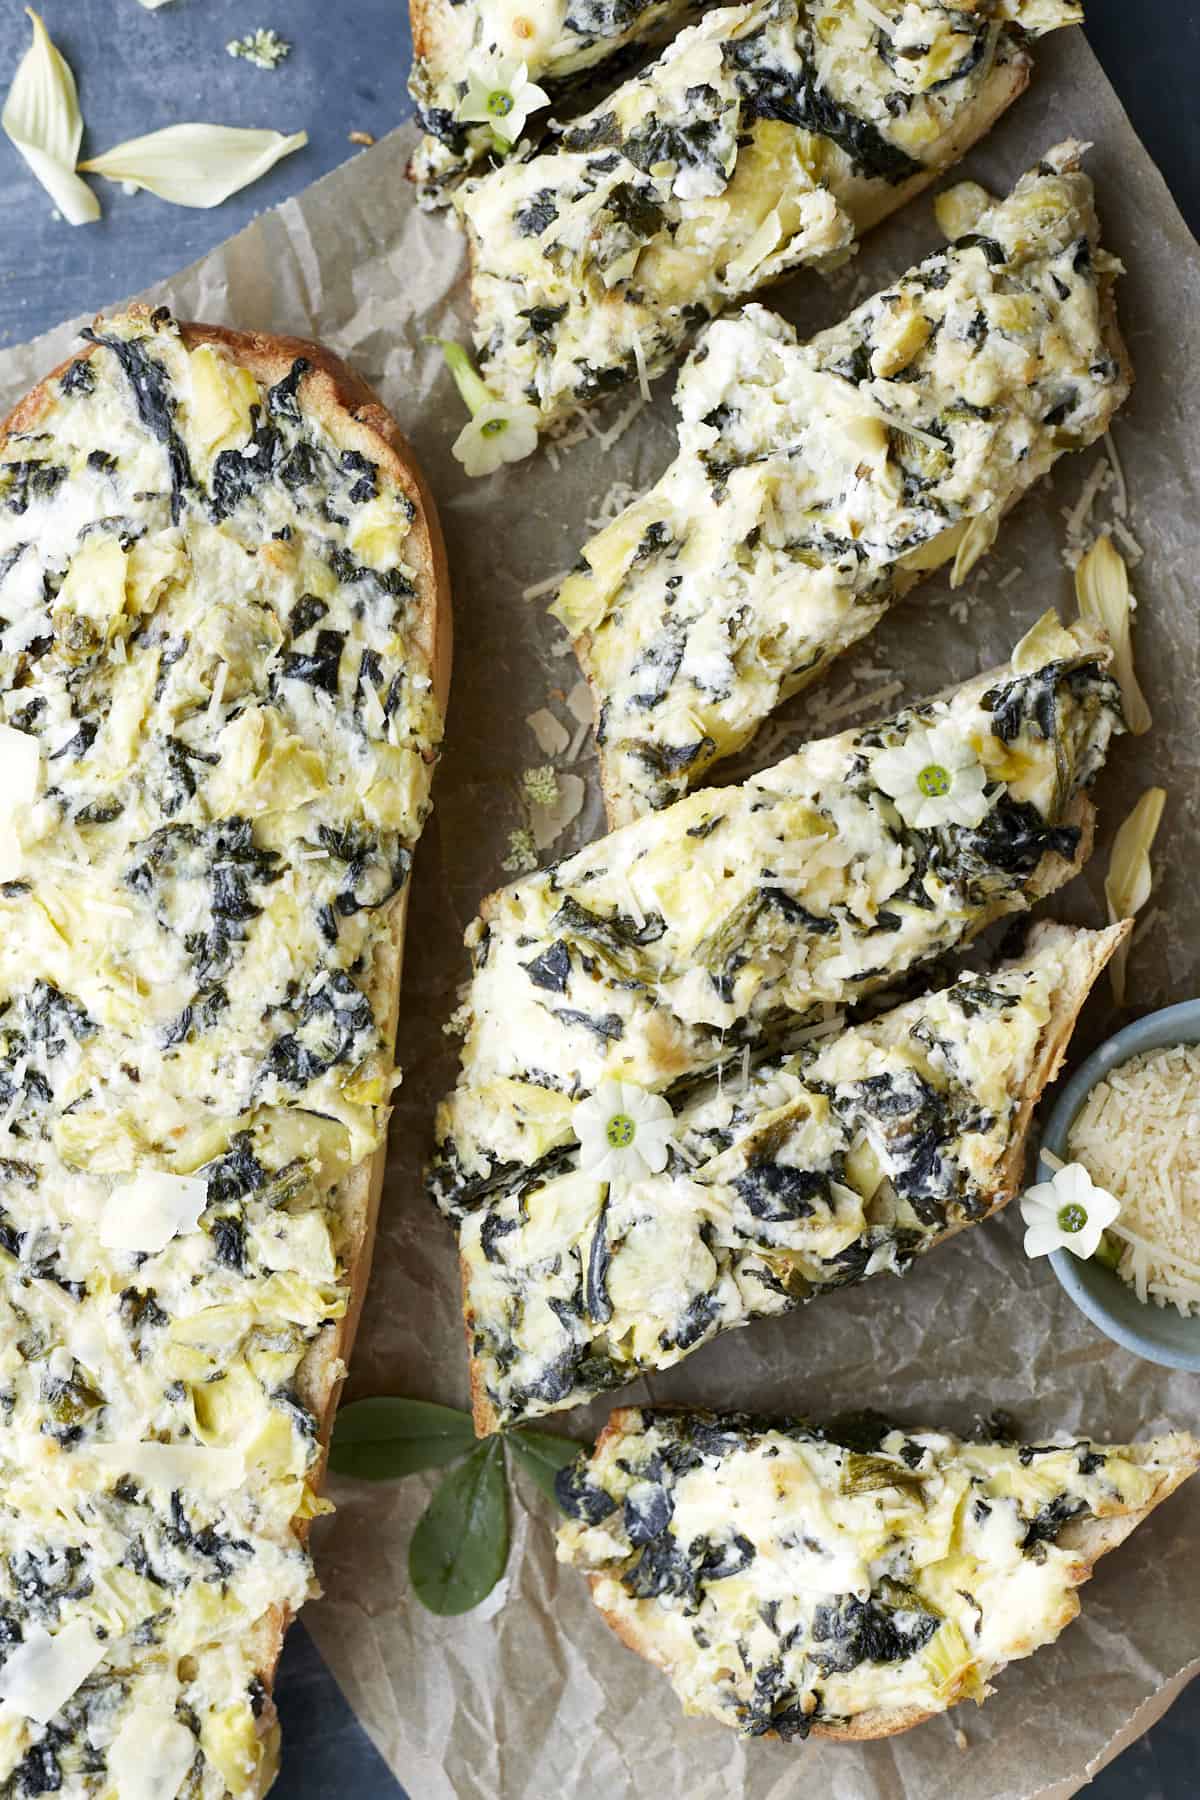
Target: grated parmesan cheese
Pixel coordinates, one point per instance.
(1138, 1135)
(539, 589)
(639, 357)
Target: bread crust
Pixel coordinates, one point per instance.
(1092, 1538)
(1065, 1008)
(350, 411)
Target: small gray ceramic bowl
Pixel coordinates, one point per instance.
(1158, 1333)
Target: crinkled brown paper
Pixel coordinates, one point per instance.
(530, 1697)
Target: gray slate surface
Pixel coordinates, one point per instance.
(139, 71)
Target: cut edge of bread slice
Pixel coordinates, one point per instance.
(1066, 1004)
(356, 419)
(1089, 1538)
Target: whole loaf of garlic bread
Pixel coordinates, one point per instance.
(224, 656)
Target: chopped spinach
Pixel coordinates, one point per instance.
(320, 667)
(770, 91)
(552, 969)
(776, 1193)
(155, 407)
(852, 1631)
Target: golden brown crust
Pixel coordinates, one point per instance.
(352, 414)
(484, 1414)
(1092, 1538)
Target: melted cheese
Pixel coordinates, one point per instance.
(823, 1167)
(783, 1580)
(201, 587)
(757, 903)
(816, 482)
(764, 138)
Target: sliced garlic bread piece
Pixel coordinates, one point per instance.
(849, 1157)
(562, 44)
(848, 1582)
(224, 656)
(767, 137)
(657, 953)
(817, 482)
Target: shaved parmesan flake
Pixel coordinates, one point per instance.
(42, 117)
(195, 165)
(146, 1213)
(197, 1468)
(43, 1672)
(153, 1751)
(552, 737)
(1138, 1135)
(549, 822)
(580, 704)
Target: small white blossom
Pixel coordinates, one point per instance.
(501, 95)
(934, 778)
(497, 434)
(1068, 1213)
(623, 1132)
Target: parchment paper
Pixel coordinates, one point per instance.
(530, 1697)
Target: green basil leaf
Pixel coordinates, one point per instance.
(379, 1440)
(542, 1454)
(460, 1547)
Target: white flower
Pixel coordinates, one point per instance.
(501, 95)
(497, 434)
(497, 431)
(1068, 1213)
(623, 1132)
(934, 778)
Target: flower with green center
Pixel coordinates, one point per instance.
(500, 95)
(934, 777)
(1067, 1213)
(623, 1131)
(498, 432)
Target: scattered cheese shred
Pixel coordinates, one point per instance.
(1138, 1135)
(539, 589)
(639, 357)
(622, 422)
